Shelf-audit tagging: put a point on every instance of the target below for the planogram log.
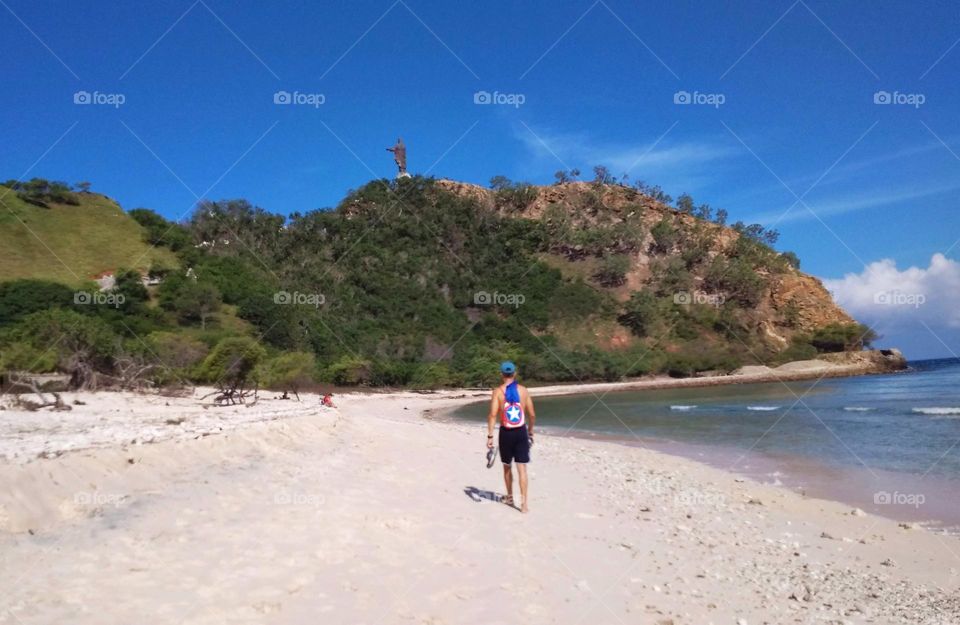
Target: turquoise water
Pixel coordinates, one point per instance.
(879, 432)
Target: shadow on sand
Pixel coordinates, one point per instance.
(478, 495)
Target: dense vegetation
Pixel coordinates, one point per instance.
(405, 283)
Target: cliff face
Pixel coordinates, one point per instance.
(790, 303)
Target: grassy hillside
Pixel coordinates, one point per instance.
(69, 244)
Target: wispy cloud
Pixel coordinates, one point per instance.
(658, 159)
(843, 173)
(852, 202)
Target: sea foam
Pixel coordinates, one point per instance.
(938, 410)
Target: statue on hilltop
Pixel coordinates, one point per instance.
(400, 158)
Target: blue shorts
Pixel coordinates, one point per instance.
(514, 445)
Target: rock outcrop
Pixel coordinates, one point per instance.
(793, 302)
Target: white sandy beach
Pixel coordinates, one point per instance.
(148, 509)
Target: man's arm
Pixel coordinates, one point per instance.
(492, 416)
(531, 413)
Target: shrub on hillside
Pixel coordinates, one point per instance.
(348, 371)
(83, 345)
(176, 355)
(689, 363)
(839, 337)
(641, 314)
(512, 196)
(798, 350)
(612, 271)
(19, 298)
(26, 357)
(40, 192)
(289, 372)
(233, 363)
(665, 237)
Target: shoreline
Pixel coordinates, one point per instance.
(801, 475)
(300, 511)
(796, 371)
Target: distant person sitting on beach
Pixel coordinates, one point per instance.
(512, 403)
(327, 401)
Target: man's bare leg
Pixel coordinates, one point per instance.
(508, 480)
(522, 470)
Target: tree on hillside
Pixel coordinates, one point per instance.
(499, 183)
(792, 259)
(83, 187)
(685, 204)
(704, 212)
(129, 285)
(237, 227)
(654, 192)
(160, 231)
(197, 301)
(602, 176)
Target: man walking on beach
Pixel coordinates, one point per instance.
(512, 403)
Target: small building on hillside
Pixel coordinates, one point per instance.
(106, 280)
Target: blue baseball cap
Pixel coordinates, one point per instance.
(508, 368)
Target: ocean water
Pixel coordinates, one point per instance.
(887, 443)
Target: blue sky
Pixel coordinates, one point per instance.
(787, 132)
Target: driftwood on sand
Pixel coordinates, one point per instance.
(21, 385)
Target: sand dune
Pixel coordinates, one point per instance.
(287, 513)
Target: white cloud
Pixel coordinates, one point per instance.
(885, 295)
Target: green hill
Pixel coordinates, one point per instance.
(413, 282)
(70, 243)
